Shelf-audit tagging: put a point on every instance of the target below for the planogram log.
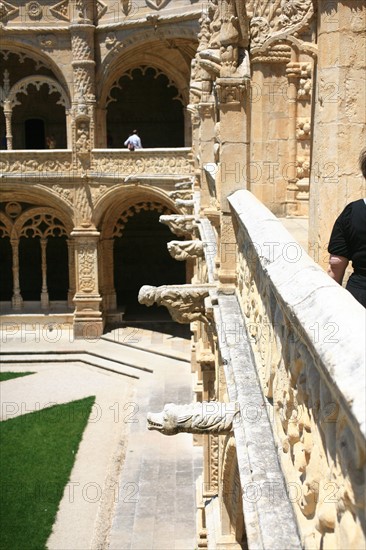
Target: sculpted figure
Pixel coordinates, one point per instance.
(226, 52)
(209, 417)
(185, 303)
(184, 250)
(182, 226)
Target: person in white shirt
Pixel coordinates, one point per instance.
(133, 141)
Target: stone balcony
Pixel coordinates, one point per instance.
(163, 164)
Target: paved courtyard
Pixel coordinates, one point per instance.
(129, 488)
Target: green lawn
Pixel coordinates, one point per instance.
(37, 453)
(9, 375)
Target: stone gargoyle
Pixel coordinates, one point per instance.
(185, 303)
(180, 225)
(185, 250)
(208, 417)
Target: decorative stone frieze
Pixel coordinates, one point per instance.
(61, 10)
(208, 417)
(185, 250)
(7, 10)
(182, 226)
(185, 303)
(40, 163)
(142, 162)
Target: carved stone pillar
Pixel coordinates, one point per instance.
(71, 261)
(207, 133)
(339, 118)
(17, 300)
(45, 302)
(83, 65)
(291, 172)
(8, 132)
(107, 280)
(88, 321)
(232, 97)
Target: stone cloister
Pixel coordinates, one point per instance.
(249, 111)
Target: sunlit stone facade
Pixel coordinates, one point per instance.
(248, 111)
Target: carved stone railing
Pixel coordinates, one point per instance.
(308, 339)
(40, 163)
(145, 163)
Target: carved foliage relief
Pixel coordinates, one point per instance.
(274, 17)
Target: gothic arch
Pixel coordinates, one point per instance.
(126, 65)
(142, 47)
(38, 80)
(41, 59)
(44, 197)
(115, 201)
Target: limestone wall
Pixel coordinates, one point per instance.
(308, 336)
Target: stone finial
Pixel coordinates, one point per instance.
(209, 417)
(185, 250)
(180, 225)
(185, 303)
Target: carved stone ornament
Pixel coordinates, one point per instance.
(183, 185)
(208, 417)
(185, 303)
(61, 10)
(181, 195)
(185, 250)
(34, 10)
(47, 41)
(281, 17)
(157, 4)
(7, 10)
(182, 226)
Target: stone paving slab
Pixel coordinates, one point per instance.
(141, 479)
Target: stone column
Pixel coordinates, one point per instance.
(207, 133)
(17, 300)
(107, 279)
(232, 96)
(71, 265)
(83, 64)
(339, 118)
(88, 321)
(45, 303)
(8, 132)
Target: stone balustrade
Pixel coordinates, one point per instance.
(36, 163)
(103, 163)
(307, 336)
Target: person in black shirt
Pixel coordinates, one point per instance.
(348, 242)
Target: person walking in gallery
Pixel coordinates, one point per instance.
(348, 242)
(133, 141)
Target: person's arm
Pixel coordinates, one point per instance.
(337, 267)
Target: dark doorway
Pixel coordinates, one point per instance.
(57, 268)
(147, 101)
(6, 274)
(35, 137)
(141, 258)
(30, 274)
